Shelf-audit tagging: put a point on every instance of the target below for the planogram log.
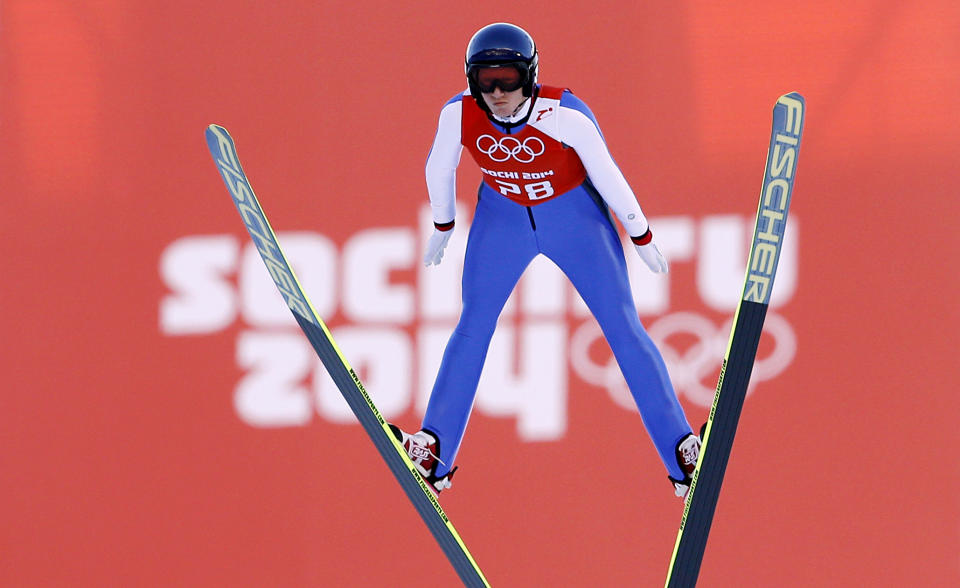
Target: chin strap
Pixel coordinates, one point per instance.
(519, 114)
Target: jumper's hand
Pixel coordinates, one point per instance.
(651, 256)
(435, 246)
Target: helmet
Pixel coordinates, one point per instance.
(501, 45)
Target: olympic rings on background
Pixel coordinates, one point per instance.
(693, 367)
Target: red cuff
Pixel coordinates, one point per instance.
(644, 238)
(443, 227)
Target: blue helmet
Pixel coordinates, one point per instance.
(501, 45)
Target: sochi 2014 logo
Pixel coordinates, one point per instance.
(394, 332)
(510, 147)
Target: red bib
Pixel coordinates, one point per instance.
(529, 166)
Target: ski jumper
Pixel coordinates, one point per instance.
(549, 183)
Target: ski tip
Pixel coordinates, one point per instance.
(216, 127)
(792, 95)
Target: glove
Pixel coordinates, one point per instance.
(435, 246)
(649, 252)
(651, 256)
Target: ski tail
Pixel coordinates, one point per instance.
(789, 114)
(224, 153)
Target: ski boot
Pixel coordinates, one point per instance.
(687, 452)
(422, 450)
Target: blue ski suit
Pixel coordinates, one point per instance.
(549, 185)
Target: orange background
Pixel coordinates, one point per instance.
(122, 460)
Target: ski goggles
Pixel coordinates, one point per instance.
(508, 78)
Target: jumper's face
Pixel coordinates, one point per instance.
(501, 88)
(503, 104)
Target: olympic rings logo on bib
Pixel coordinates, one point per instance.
(507, 147)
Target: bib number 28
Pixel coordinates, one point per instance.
(535, 191)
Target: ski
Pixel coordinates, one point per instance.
(224, 153)
(788, 117)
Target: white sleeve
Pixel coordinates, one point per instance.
(579, 132)
(442, 164)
